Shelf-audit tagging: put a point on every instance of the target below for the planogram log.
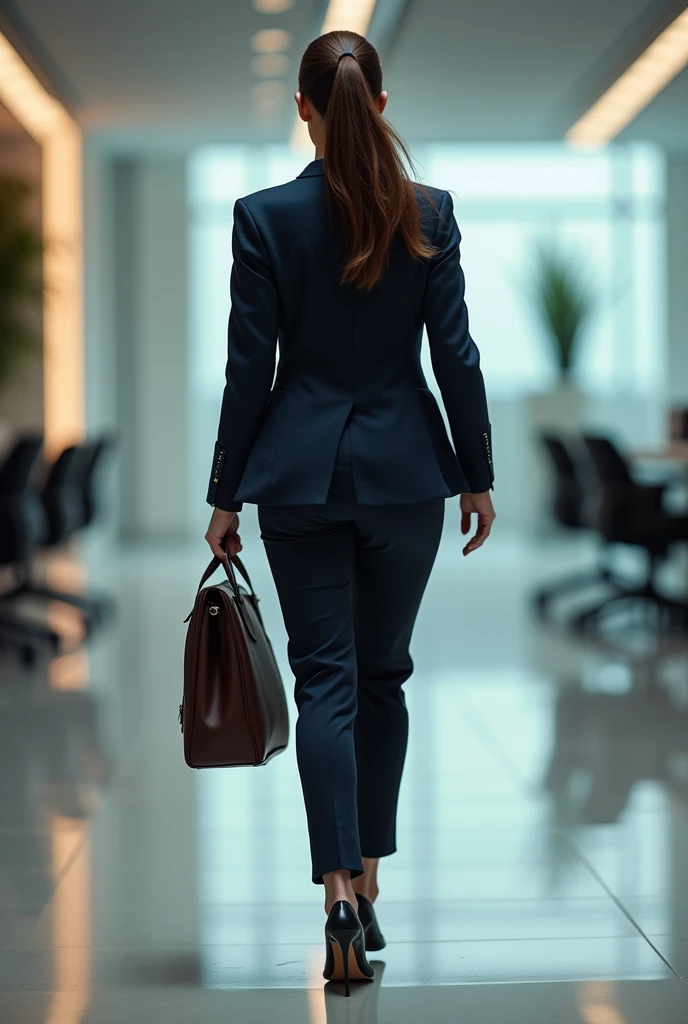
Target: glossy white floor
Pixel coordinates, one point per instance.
(543, 826)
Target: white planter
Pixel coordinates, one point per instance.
(563, 410)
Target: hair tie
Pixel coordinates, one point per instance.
(347, 53)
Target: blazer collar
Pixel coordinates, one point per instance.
(314, 169)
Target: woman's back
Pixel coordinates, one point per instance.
(334, 335)
(347, 355)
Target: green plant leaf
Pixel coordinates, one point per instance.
(564, 300)
(21, 282)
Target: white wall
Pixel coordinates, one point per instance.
(677, 277)
(162, 358)
(149, 316)
(99, 292)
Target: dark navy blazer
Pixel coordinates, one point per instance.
(345, 356)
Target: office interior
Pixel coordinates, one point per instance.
(543, 834)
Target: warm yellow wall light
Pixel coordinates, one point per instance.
(647, 76)
(347, 15)
(48, 122)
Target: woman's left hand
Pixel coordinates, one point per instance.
(221, 535)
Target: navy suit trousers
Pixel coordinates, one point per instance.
(350, 579)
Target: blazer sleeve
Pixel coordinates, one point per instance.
(454, 354)
(251, 350)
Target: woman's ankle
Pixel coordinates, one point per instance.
(366, 884)
(338, 886)
(371, 892)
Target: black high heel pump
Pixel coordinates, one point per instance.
(345, 940)
(374, 939)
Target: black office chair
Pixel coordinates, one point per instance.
(570, 509)
(631, 513)
(94, 456)
(21, 526)
(69, 503)
(61, 497)
(88, 469)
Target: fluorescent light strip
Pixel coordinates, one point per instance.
(647, 76)
(25, 97)
(346, 16)
(349, 16)
(49, 123)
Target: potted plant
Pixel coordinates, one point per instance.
(563, 300)
(21, 281)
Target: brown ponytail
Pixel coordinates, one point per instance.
(368, 185)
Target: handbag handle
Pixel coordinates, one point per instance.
(243, 571)
(228, 563)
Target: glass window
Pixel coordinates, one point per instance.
(605, 209)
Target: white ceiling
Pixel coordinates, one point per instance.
(162, 70)
(152, 72)
(495, 69)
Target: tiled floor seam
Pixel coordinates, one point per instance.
(612, 895)
(266, 945)
(480, 728)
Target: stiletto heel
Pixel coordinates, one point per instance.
(345, 940)
(344, 945)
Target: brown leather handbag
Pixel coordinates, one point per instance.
(234, 710)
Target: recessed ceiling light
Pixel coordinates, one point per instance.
(664, 58)
(350, 15)
(268, 92)
(271, 40)
(273, 6)
(269, 65)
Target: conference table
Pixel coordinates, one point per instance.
(670, 451)
(676, 453)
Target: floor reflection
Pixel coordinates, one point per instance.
(54, 769)
(543, 827)
(364, 1002)
(606, 743)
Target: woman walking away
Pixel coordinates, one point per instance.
(345, 452)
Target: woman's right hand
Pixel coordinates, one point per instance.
(481, 504)
(221, 536)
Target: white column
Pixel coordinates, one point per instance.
(677, 271)
(150, 227)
